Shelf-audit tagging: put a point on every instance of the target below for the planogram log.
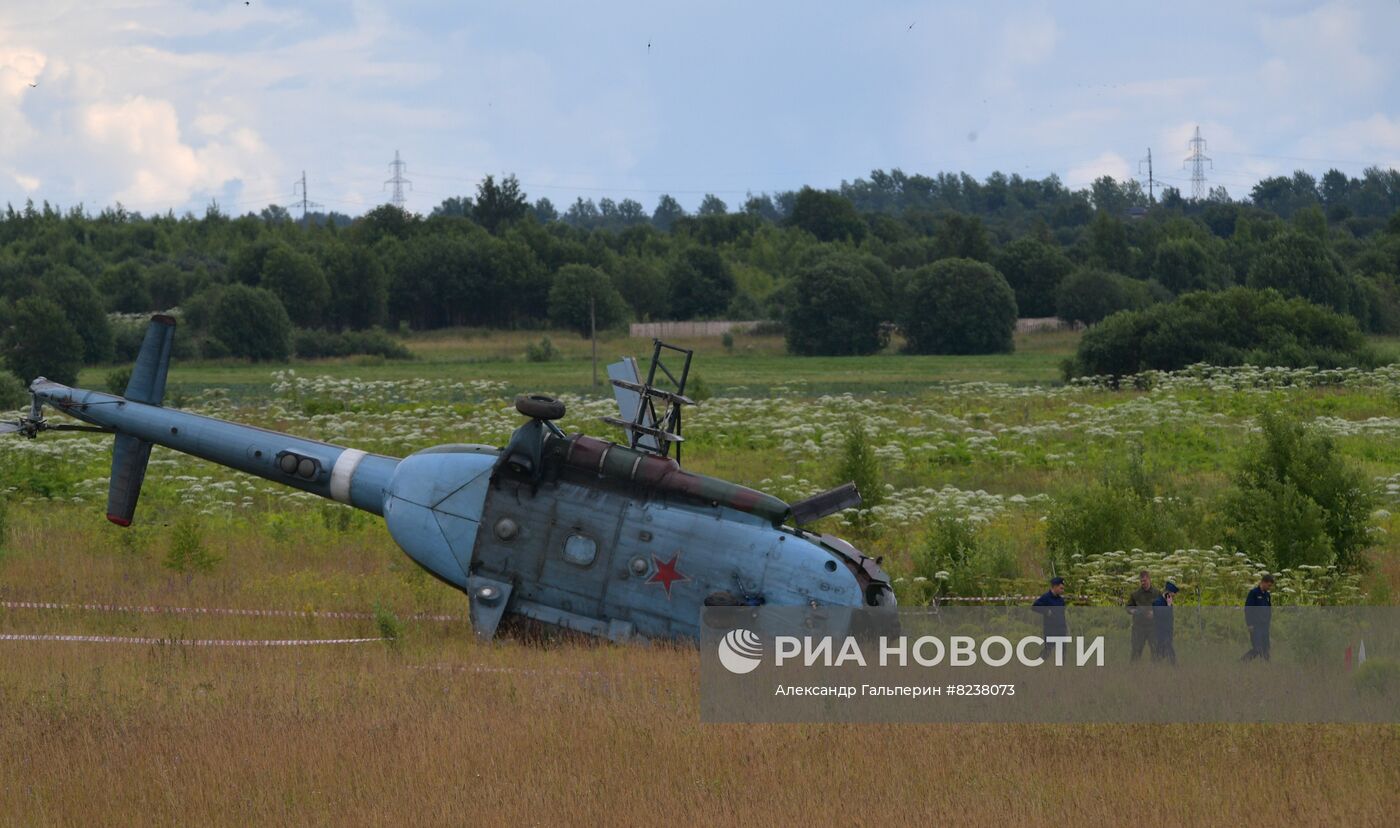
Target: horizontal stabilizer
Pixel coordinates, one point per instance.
(147, 383)
(129, 456)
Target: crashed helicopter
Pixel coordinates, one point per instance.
(611, 539)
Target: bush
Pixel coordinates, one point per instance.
(1297, 501)
(1088, 295)
(252, 323)
(577, 286)
(316, 344)
(1377, 676)
(1234, 327)
(1129, 507)
(835, 308)
(542, 351)
(42, 342)
(389, 626)
(117, 380)
(959, 559)
(859, 465)
(958, 306)
(4, 523)
(187, 552)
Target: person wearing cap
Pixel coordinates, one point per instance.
(1164, 624)
(1051, 608)
(1140, 608)
(1257, 611)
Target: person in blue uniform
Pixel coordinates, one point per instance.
(1257, 611)
(1164, 624)
(1051, 609)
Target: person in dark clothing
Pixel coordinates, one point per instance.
(1163, 623)
(1257, 611)
(1140, 608)
(1051, 608)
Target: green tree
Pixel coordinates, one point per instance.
(700, 284)
(358, 285)
(499, 204)
(297, 281)
(1299, 264)
(1089, 294)
(836, 308)
(958, 306)
(167, 286)
(826, 215)
(643, 285)
(1107, 242)
(252, 323)
(124, 288)
(712, 205)
(1183, 265)
(41, 342)
(577, 290)
(961, 237)
(1034, 269)
(1297, 501)
(82, 306)
(667, 212)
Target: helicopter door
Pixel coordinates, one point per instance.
(579, 550)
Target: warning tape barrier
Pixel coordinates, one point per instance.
(255, 613)
(196, 642)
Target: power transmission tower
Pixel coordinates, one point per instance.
(1198, 161)
(306, 203)
(1151, 183)
(398, 181)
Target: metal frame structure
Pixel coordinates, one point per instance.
(664, 426)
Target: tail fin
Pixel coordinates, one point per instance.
(129, 454)
(147, 383)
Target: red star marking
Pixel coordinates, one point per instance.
(666, 573)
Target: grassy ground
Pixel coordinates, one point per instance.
(440, 730)
(757, 362)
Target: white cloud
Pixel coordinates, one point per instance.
(1109, 163)
(142, 137)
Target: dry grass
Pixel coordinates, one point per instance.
(447, 732)
(441, 730)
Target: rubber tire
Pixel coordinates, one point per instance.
(539, 407)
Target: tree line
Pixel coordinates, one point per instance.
(950, 260)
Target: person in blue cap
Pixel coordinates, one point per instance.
(1257, 608)
(1164, 624)
(1051, 608)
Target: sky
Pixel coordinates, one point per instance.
(169, 105)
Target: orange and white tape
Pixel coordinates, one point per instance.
(195, 642)
(255, 613)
